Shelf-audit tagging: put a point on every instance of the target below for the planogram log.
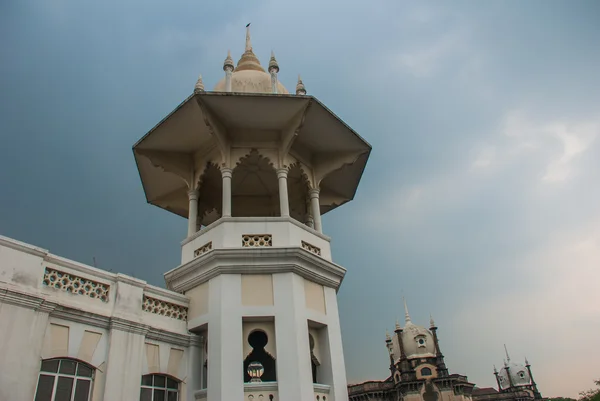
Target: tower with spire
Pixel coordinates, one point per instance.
(515, 380)
(418, 370)
(253, 168)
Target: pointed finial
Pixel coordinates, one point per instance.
(406, 314)
(431, 322)
(495, 370)
(505, 363)
(526, 362)
(507, 356)
(398, 325)
(300, 88)
(199, 87)
(273, 66)
(387, 336)
(228, 63)
(248, 43)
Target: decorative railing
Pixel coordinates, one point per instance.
(321, 392)
(164, 308)
(257, 240)
(266, 391)
(311, 248)
(75, 285)
(203, 249)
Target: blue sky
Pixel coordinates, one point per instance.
(480, 203)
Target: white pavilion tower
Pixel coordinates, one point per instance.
(253, 168)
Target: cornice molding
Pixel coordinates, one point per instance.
(22, 246)
(268, 261)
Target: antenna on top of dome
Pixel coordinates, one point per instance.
(506, 351)
(406, 314)
(248, 43)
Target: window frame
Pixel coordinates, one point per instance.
(167, 390)
(57, 375)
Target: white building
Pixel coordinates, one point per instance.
(251, 313)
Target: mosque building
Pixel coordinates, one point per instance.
(418, 372)
(251, 311)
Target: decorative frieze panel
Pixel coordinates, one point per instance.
(75, 284)
(257, 240)
(311, 248)
(203, 249)
(164, 308)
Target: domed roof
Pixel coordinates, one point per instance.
(250, 81)
(417, 342)
(519, 375)
(249, 76)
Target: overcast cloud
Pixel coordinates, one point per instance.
(480, 203)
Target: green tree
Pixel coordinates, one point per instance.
(591, 394)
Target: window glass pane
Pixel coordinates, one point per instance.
(172, 396)
(45, 386)
(64, 387)
(159, 395)
(82, 390)
(50, 366)
(172, 383)
(146, 394)
(147, 380)
(84, 370)
(67, 367)
(159, 381)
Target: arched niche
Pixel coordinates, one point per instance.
(210, 195)
(258, 340)
(298, 188)
(254, 187)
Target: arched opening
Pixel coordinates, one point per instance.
(258, 339)
(425, 372)
(64, 379)
(159, 387)
(297, 183)
(210, 199)
(254, 187)
(314, 362)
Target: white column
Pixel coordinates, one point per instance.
(315, 209)
(337, 378)
(294, 374)
(284, 204)
(273, 80)
(125, 358)
(195, 360)
(228, 73)
(225, 350)
(193, 212)
(226, 173)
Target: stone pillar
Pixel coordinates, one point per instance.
(315, 209)
(225, 347)
(294, 373)
(226, 173)
(193, 212)
(125, 358)
(284, 204)
(228, 73)
(195, 361)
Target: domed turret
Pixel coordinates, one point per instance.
(249, 76)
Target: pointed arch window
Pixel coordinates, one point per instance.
(64, 379)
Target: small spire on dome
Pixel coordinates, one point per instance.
(526, 362)
(406, 314)
(199, 87)
(507, 356)
(505, 363)
(228, 63)
(431, 322)
(300, 88)
(273, 66)
(495, 370)
(398, 325)
(248, 42)
(387, 336)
